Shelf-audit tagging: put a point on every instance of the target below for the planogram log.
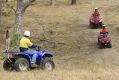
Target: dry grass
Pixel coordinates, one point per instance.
(91, 73)
(79, 58)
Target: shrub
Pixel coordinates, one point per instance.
(14, 45)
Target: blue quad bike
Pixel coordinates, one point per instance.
(22, 62)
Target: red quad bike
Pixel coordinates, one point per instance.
(95, 21)
(104, 40)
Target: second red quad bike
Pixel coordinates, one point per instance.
(104, 40)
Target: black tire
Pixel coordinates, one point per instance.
(110, 45)
(91, 26)
(100, 45)
(47, 65)
(98, 41)
(7, 65)
(96, 26)
(22, 64)
(100, 24)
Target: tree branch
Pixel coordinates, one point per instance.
(27, 4)
(12, 9)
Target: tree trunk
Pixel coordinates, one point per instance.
(73, 2)
(19, 16)
(19, 21)
(53, 2)
(0, 12)
(22, 5)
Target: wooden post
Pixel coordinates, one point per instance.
(73, 2)
(7, 39)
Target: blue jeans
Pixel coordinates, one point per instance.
(35, 55)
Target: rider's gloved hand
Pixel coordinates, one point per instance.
(33, 46)
(38, 47)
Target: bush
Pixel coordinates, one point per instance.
(14, 45)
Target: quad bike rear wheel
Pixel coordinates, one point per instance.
(21, 64)
(8, 65)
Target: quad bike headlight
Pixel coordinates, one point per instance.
(108, 41)
(103, 42)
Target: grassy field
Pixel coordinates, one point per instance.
(91, 73)
(78, 58)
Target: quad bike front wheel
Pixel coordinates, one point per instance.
(47, 65)
(91, 25)
(8, 65)
(21, 64)
(100, 45)
(110, 45)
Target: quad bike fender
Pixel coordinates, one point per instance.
(47, 54)
(28, 57)
(101, 20)
(91, 19)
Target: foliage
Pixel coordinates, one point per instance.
(14, 45)
(7, 8)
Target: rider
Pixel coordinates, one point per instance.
(96, 12)
(25, 44)
(104, 29)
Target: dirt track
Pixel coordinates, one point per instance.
(89, 51)
(107, 57)
(104, 57)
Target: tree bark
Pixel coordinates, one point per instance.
(73, 2)
(22, 5)
(19, 17)
(19, 21)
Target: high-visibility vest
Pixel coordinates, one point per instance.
(104, 30)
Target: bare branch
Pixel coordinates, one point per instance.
(27, 4)
(12, 8)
